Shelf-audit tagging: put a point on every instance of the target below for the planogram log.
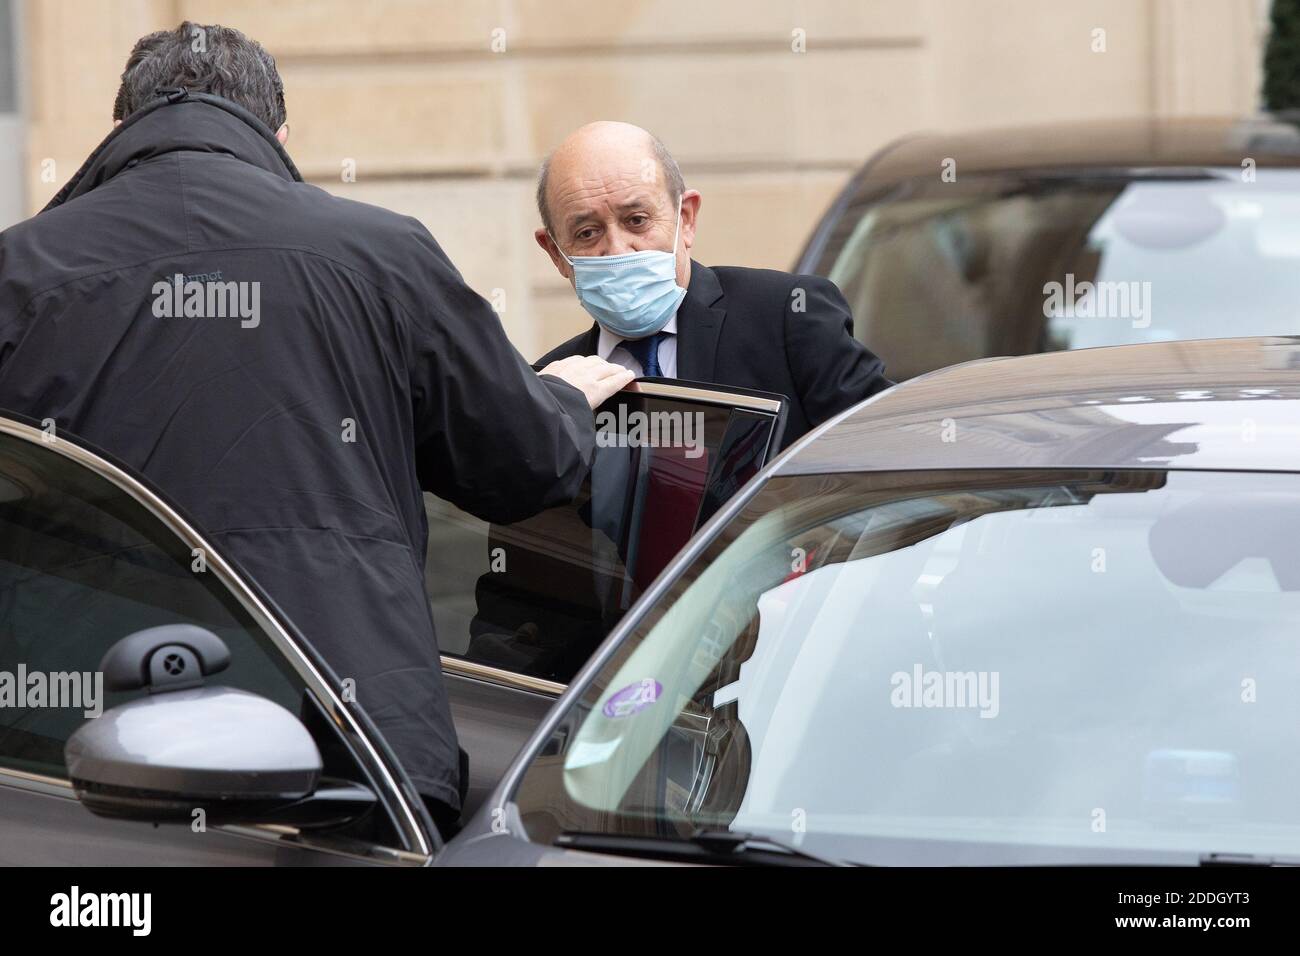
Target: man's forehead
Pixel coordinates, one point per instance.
(584, 174)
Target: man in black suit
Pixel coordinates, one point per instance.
(619, 224)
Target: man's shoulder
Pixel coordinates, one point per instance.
(395, 251)
(367, 218)
(767, 295)
(759, 287)
(296, 212)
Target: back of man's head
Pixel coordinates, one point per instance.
(203, 59)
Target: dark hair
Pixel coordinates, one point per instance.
(202, 59)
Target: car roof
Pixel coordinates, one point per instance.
(1268, 140)
(1101, 148)
(1205, 404)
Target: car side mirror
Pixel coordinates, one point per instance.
(239, 757)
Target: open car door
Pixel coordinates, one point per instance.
(520, 608)
(167, 687)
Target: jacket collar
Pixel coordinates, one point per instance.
(180, 120)
(699, 324)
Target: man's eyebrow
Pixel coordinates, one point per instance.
(577, 218)
(636, 202)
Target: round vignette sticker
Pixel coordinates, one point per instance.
(633, 698)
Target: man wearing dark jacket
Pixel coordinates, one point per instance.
(618, 223)
(290, 368)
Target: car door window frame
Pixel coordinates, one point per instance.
(409, 817)
(691, 392)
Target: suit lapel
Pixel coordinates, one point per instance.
(699, 324)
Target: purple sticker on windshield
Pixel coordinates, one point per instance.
(633, 698)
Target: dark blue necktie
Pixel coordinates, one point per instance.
(646, 352)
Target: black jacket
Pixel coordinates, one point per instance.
(362, 320)
(771, 331)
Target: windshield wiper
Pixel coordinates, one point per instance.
(1247, 859)
(706, 845)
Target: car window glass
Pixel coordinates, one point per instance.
(536, 597)
(939, 273)
(960, 668)
(83, 565)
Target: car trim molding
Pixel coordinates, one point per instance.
(496, 675)
(692, 394)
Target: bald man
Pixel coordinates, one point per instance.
(619, 225)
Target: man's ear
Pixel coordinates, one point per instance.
(546, 242)
(691, 199)
(282, 134)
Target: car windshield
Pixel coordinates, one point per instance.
(960, 667)
(945, 272)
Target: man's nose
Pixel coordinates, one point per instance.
(618, 242)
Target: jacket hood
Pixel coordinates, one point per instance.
(180, 120)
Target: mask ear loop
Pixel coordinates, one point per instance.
(559, 250)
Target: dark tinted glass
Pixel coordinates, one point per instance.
(939, 273)
(82, 565)
(537, 597)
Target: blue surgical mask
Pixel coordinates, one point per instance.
(632, 295)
